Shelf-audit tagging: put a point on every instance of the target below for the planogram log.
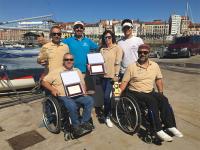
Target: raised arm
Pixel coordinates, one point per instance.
(43, 56)
(127, 77)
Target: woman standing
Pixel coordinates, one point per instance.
(112, 55)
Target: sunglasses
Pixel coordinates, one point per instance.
(78, 27)
(126, 28)
(70, 59)
(108, 37)
(54, 34)
(143, 52)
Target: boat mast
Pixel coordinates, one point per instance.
(187, 14)
(187, 17)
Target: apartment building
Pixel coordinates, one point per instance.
(194, 29)
(175, 24)
(154, 29)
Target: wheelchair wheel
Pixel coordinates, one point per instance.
(113, 110)
(128, 114)
(52, 114)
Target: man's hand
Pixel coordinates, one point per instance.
(85, 93)
(116, 79)
(55, 92)
(122, 87)
(43, 62)
(88, 67)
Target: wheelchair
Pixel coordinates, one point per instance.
(56, 118)
(132, 116)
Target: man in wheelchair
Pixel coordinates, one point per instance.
(139, 78)
(53, 83)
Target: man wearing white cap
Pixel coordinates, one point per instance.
(129, 44)
(80, 46)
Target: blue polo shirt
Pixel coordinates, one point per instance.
(79, 49)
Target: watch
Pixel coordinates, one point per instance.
(116, 75)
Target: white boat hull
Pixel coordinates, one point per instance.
(21, 83)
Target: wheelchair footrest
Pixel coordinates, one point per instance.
(82, 134)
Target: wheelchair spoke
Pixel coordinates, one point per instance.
(127, 115)
(51, 116)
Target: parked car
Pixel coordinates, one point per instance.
(161, 52)
(184, 46)
(152, 54)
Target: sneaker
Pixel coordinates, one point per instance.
(77, 131)
(164, 136)
(175, 132)
(86, 126)
(109, 123)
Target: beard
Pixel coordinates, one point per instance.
(143, 59)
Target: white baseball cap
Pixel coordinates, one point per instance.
(78, 22)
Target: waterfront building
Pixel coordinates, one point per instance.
(175, 24)
(11, 35)
(136, 27)
(153, 30)
(67, 27)
(118, 30)
(194, 29)
(92, 29)
(185, 22)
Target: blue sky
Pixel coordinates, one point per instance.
(93, 10)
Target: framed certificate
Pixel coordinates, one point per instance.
(74, 90)
(97, 69)
(72, 83)
(96, 63)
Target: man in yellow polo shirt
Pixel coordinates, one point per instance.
(139, 78)
(51, 54)
(53, 83)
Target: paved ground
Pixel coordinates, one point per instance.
(193, 59)
(185, 65)
(182, 90)
(192, 62)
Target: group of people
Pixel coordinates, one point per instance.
(125, 60)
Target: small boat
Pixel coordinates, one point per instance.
(18, 46)
(18, 83)
(19, 79)
(8, 46)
